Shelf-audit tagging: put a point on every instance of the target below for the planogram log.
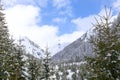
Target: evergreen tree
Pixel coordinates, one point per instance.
(105, 65)
(34, 68)
(17, 71)
(6, 45)
(46, 65)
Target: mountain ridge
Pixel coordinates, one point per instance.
(75, 51)
(31, 47)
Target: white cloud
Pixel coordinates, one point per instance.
(61, 3)
(68, 38)
(20, 17)
(59, 20)
(84, 24)
(11, 3)
(64, 7)
(26, 14)
(21, 21)
(116, 5)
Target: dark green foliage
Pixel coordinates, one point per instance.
(73, 69)
(34, 68)
(83, 73)
(18, 62)
(6, 47)
(46, 65)
(11, 54)
(57, 76)
(74, 77)
(15, 63)
(64, 76)
(106, 63)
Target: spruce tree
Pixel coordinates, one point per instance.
(46, 65)
(34, 68)
(6, 45)
(31, 69)
(17, 71)
(105, 65)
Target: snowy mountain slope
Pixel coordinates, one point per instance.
(74, 51)
(31, 47)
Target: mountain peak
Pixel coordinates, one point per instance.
(31, 47)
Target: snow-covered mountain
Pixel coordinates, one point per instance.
(74, 51)
(71, 53)
(31, 47)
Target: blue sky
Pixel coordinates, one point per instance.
(54, 21)
(72, 9)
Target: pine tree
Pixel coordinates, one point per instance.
(17, 71)
(31, 69)
(34, 68)
(46, 65)
(105, 65)
(6, 45)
